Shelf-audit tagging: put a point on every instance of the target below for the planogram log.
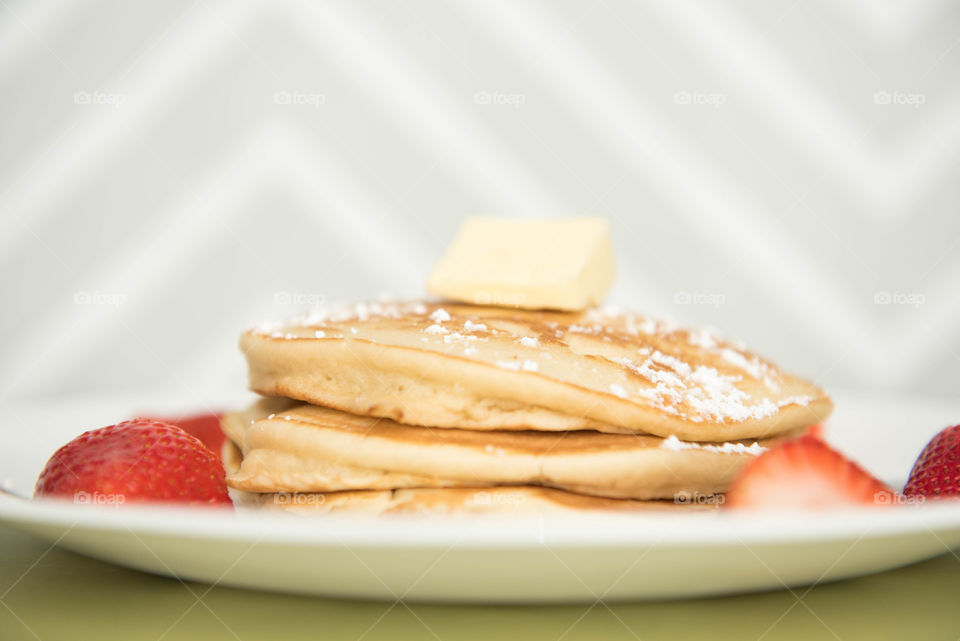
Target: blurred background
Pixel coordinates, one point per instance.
(173, 172)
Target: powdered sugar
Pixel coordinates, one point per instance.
(674, 444)
(529, 341)
(440, 315)
(525, 365)
(704, 338)
(436, 329)
(457, 337)
(617, 390)
(705, 390)
(753, 366)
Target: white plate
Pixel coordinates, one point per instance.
(505, 560)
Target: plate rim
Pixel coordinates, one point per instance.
(411, 532)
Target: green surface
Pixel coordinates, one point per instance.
(51, 594)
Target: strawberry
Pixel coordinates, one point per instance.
(817, 430)
(936, 472)
(138, 460)
(806, 473)
(205, 427)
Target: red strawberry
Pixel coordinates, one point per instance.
(205, 427)
(816, 429)
(937, 470)
(806, 473)
(138, 460)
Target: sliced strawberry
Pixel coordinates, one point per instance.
(817, 430)
(936, 473)
(805, 473)
(205, 426)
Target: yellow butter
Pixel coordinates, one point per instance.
(564, 264)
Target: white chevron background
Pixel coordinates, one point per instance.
(171, 172)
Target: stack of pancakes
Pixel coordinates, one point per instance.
(423, 406)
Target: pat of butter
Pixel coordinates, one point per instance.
(564, 264)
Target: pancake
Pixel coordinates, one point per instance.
(235, 424)
(456, 501)
(315, 449)
(489, 368)
(231, 456)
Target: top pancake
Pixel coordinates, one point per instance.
(466, 366)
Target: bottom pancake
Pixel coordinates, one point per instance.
(456, 502)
